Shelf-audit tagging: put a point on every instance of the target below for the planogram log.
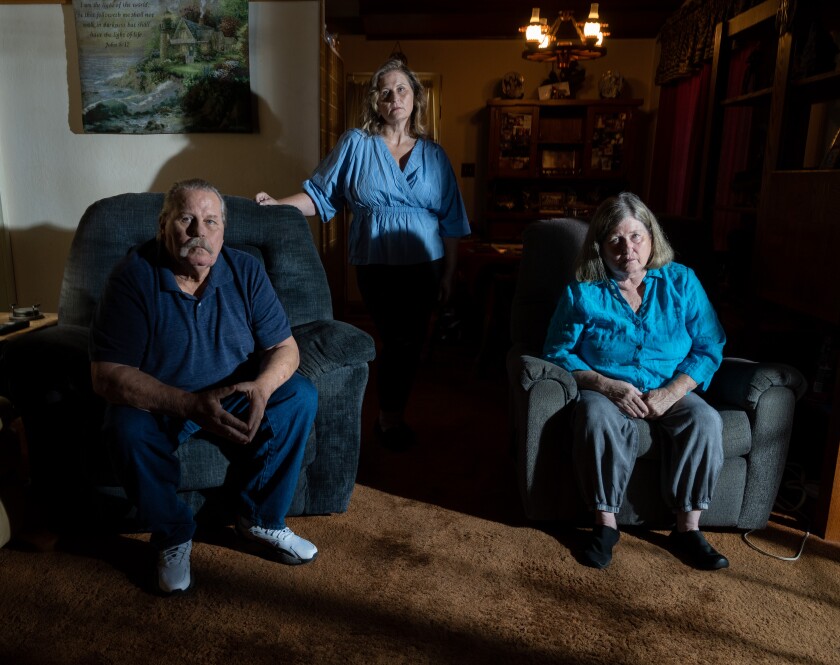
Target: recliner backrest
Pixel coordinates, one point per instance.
(549, 251)
(279, 235)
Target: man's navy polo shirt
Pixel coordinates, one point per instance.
(144, 320)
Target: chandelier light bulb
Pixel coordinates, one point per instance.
(592, 27)
(536, 28)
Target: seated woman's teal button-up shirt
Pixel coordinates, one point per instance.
(675, 330)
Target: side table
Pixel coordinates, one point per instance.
(48, 319)
(13, 471)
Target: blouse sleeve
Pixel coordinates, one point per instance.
(326, 186)
(707, 334)
(563, 335)
(452, 214)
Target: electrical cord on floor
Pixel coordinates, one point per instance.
(776, 556)
(800, 485)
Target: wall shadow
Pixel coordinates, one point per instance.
(238, 164)
(41, 245)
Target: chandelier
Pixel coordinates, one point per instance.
(566, 40)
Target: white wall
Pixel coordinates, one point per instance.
(471, 72)
(50, 171)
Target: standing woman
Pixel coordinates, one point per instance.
(407, 218)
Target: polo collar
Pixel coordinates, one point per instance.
(220, 273)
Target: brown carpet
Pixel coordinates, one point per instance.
(432, 564)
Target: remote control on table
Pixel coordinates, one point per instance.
(12, 326)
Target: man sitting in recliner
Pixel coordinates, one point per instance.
(190, 335)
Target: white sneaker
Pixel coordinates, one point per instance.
(288, 548)
(174, 568)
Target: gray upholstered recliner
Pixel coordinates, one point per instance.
(47, 372)
(756, 401)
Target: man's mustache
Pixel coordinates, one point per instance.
(195, 242)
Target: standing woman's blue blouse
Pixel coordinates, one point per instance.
(675, 330)
(400, 217)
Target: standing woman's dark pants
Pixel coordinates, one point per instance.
(400, 299)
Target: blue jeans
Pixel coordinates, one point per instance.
(606, 442)
(265, 471)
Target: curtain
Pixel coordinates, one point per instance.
(739, 166)
(687, 40)
(677, 155)
(684, 72)
(357, 89)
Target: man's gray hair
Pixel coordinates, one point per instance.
(175, 196)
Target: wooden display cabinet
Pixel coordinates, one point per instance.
(555, 158)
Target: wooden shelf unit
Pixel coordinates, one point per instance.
(556, 158)
(794, 219)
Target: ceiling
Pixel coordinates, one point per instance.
(484, 19)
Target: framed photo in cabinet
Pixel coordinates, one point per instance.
(553, 202)
(512, 142)
(606, 154)
(559, 162)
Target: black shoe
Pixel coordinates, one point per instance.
(695, 549)
(397, 439)
(598, 553)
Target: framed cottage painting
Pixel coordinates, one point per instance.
(158, 67)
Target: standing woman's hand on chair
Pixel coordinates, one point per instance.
(265, 199)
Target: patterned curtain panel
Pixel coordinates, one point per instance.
(687, 39)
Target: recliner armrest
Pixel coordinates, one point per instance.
(327, 345)
(741, 383)
(527, 370)
(60, 353)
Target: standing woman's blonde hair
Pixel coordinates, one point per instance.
(614, 210)
(372, 121)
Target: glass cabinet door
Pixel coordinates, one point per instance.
(606, 148)
(513, 142)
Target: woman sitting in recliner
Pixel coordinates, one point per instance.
(638, 333)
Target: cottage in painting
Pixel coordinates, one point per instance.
(188, 39)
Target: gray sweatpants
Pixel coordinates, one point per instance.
(606, 442)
